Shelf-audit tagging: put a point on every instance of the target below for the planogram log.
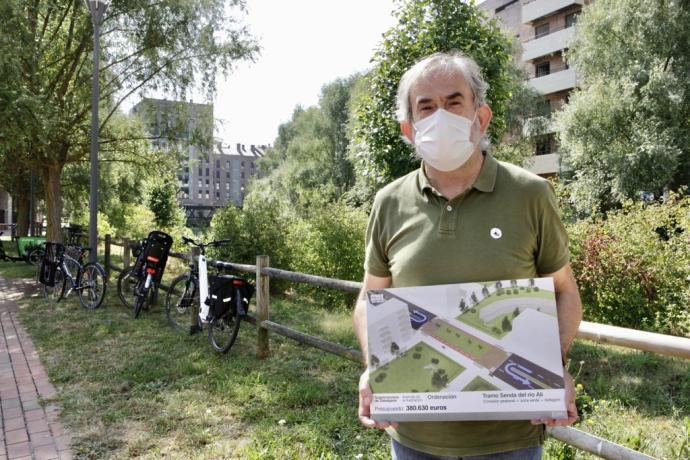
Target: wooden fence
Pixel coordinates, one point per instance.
(600, 333)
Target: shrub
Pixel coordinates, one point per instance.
(632, 266)
(330, 243)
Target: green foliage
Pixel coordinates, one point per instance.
(628, 129)
(46, 70)
(163, 203)
(628, 274)
(329, 243)
(308, 164)
(260, 228)
(424, 27)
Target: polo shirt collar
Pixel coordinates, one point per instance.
(485, 181)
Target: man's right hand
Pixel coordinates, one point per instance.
(365, 397)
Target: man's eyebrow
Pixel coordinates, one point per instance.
(424, 100)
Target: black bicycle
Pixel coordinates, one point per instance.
(137, 286)
(222, 300)
(65, 262)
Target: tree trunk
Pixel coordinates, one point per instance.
(53, 201)
(23, 204)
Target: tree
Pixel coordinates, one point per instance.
(506, 325)
(627, 130)
(424, 27)
(169, 45)
(440, 379)
(308, 164)
(395, 349)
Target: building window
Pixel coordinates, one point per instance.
(207, 173)
(217, 163)
(227, 186)
(541, 31)
(217, 195)
(217, 186)
(198, 194)
(544, 108)
(207, 182)
(242, 174)
(200, 183)
(200, 171)
(543, 145)
(227, 175)
(217, 174)
(227, 165)
(543, 69)
(207, 195)
(570, 19)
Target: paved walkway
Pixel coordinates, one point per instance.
(29, 430)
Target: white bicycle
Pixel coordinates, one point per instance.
(222, 300)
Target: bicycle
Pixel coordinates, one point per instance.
(223, 300)
(137, 286)
(57, 267)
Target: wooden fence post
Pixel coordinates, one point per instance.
(194, 320)
(126, 253)
(262, 302)
(106, 256)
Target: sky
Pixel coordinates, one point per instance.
(305, 45)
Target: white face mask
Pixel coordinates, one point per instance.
(443, 140)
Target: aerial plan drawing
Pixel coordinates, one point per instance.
(468, 351)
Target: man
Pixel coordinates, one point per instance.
(462, 217)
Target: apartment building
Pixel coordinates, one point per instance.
(213, 173)
(544, 28)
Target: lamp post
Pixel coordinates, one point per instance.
(97, 9)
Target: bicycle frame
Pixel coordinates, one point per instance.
(74, 281)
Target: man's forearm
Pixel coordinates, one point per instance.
(569, 317)
(360, 325)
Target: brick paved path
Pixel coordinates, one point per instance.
(28, 429)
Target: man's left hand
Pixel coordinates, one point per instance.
(570, 406)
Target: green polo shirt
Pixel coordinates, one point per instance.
(506, 226)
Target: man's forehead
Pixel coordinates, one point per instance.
(435, 83)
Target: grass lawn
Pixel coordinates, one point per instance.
(133, 388)
(461, 340)
(494, 327)
(413, 371)
(479, 384)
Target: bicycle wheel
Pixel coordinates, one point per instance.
(126, 285)
(142, 294)
(179, 303)
(54, 293)
(36, 256)
(91, 287)
(222, 331)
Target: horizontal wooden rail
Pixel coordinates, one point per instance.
(630, 338)
(594, 444)
(341, 285)
(325, 345)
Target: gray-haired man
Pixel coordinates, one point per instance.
(462, 217)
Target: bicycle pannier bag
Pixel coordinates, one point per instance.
(51, 261)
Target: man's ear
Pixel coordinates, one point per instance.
(484, 114)
(406, 129)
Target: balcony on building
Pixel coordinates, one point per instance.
(549, 43)
(552, 80)
(535, 9)
(544, 165)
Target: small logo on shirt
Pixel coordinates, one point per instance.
(495, 233)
